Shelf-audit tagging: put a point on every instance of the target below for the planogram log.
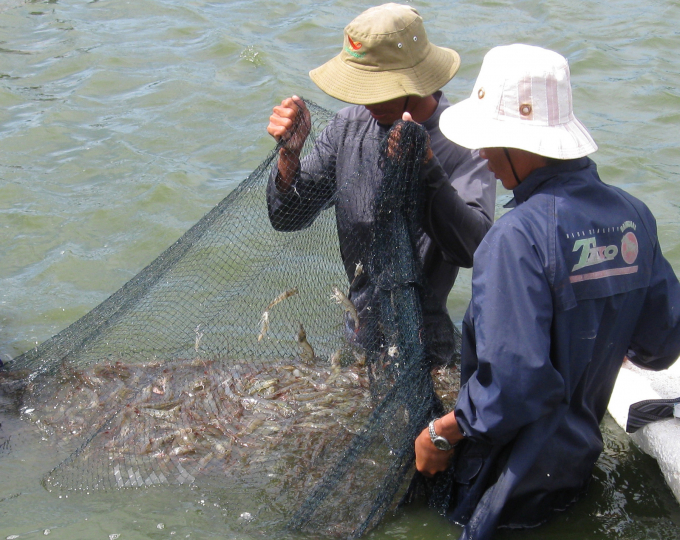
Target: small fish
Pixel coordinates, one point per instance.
(307, 355)
(347, 305)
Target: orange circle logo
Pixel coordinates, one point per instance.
(629, 247)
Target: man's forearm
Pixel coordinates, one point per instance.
(288, 165)
(447, 427)
(457, 227)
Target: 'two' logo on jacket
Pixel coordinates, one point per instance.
(595, 247)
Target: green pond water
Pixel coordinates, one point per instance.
(123, 122)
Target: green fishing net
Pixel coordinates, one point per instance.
(234, 361)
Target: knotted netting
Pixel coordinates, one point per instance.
(238, 361)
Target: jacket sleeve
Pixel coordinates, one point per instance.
(656, 341)
(457, 218)
(312, 190)
(509, 379)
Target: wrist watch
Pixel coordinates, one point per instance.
(439, 442)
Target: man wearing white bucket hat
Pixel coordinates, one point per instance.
(564, 286)
(386, 67)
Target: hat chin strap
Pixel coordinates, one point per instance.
(507, 155)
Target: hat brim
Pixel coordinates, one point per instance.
(468, 125)
(368, 86)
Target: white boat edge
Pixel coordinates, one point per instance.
(660, 439)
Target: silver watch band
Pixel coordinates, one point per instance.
(438, 441)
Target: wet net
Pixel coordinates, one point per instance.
(237, 362)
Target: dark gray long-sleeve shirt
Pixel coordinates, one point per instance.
(343, 170)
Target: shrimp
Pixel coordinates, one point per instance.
(358, 270)
(335, 360)
(264, 320)
(199, 335)
(264, 325)
(347, 304)
(282, 297)
(307, 353)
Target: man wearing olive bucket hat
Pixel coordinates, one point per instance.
(386, 67)
(564, 287)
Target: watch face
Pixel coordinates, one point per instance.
(442, 444)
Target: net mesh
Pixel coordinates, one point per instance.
(236, 361)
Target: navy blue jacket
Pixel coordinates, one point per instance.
(564, 286)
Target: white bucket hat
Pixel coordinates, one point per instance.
(386, 55)
(522, 99)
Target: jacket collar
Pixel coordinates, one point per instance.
(532, 183)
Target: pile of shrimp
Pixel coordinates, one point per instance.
(169, 422)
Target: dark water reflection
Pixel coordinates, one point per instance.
(627, 500)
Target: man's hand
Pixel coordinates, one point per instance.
(285, 123)
(429, 459)
(395, 140)
(290, 122)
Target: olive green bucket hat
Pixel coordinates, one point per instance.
(386, 55)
